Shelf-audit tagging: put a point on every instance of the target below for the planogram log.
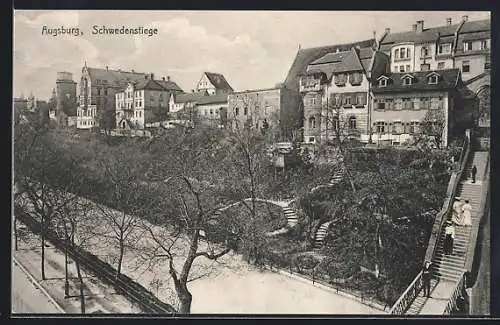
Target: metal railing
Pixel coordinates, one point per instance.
(406, 299)
(452, 303)
(471, 249)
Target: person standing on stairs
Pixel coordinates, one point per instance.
(426, 279)
(467, 214)
(473, 173)
(457, 216)
(449, 232)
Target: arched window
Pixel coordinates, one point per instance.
(352, 123)
(245, 111)
(312, 122)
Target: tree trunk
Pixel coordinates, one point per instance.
(185, 299)
(120, 260)
(43, 253)
(82, 294)
(66, 280)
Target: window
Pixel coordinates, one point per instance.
(444, 48)
(401, 68)
(98, 91)
(484, 45)
(312, 123)
(347, 101)
(407, 103)
(487, 64)
(355, 78)
(352, 123)
(211, 112)
(396, 68)
(425, 103)
(396, 54)
(440, 65)
(414, 127)
(407, 81)
(236, 111)
(389, 103)
(341, 79)
(403, 53)
(397, 127)
(407, 68)
(425, 67)
(381, 106)
(360, 100)
(245, 111)
(105, 92)
(467, 46)
(335, 123)
(437, 103)
(433, 80)
(425, 52)
(382, 82)
(311, 139)
(465, 66)
(380, 127)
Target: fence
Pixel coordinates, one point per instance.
(314, 280)
(405, 300)
(452, 303)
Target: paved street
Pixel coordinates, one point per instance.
(26, 297)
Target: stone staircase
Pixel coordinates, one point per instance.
(321, 234)
(449, 269)
(291, 216)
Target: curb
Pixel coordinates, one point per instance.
(326, 288)
(38, 285)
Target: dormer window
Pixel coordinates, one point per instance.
(433, 78)
(382, 82)
(407, 80)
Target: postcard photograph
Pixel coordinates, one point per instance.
(174, 163)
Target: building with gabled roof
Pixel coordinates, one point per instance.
(335, 91)
(143, 101)
(214, 84)
(97, 89)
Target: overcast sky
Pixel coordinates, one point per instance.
(253, 49)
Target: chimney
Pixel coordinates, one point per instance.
(387, 30)
(106, 68)
(133, 71)
(168, 78)
(465, 18)
(420, 26)
(152, 76)
(192, 90)
(414, 27)
(163, 78)
(448, 21)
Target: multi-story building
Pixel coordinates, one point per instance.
(259, 109)
(335, 91)
(213, 84)
(403, 102)
(143, 101)
(464, 45)
(212, 109)
(97, 91)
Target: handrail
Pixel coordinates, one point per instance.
(452, 302)
(471, 250)
(411, 292)
(404, 301)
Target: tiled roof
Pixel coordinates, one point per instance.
(426, 36)
(186, 97)
(147, 84)
(169, 85)
(475, 26)
(214, 99)
(218, 81)
(448, 80)
(305, 56)
(336, 63)
(115, 77)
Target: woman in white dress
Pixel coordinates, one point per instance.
(457, 216)
(467, 213)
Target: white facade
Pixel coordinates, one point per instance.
(130, 106)
(205, 84)
(403, 57)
